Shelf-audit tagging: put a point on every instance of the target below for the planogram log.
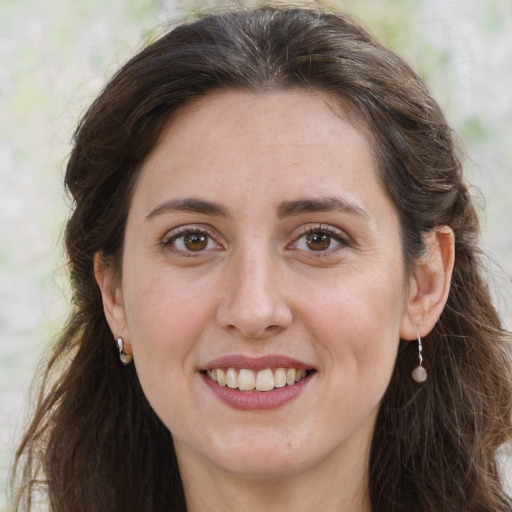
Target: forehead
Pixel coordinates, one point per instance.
(296, 137)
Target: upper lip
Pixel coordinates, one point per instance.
(256, 363)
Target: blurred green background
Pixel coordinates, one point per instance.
(55, 55)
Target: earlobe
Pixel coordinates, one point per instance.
(429, 284)
(112, 297)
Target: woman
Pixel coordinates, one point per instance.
(278, 301)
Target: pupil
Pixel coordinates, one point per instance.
(318, 242)
(196, 241)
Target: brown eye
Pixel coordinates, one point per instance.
(318, 241)
(195, 241)
(189, 241)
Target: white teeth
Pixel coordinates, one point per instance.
(280, 378)
(232, 378)
(246, 381)
(290, 376)
(221, 377)
(300, 375)
(263, 380)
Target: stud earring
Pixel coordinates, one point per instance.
(419, 374)
(125, 358)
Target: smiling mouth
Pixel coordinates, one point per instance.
(267, 379)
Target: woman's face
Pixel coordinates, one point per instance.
(262, 250)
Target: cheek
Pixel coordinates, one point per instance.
(165, 319)
(165, 315)
(356, 320)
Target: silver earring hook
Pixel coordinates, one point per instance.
(420, 349)
(419, 374)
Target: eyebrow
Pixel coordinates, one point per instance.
(328, 204)
(191, 205)
(285, 209)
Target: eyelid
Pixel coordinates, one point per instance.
(180, 231)
(337, 234)
(183, 230)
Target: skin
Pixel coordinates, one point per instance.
(258, 287)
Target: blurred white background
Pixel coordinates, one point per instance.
(55, 56)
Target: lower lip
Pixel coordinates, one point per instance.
(257, 400)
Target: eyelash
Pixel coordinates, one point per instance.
(334, 234)
(182, 232)
(338, 236)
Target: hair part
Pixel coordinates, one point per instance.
(434, 447)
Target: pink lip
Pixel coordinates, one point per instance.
(257, 400)
(256, 363)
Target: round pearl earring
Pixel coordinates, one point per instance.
(125, 358)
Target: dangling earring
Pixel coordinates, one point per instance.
(125, 358)
(419, 374)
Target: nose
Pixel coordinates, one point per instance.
(253, 304)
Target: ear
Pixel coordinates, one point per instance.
(112, 297)
(429, 284)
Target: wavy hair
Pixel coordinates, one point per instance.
(95, 443)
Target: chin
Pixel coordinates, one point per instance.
(265, 465)
(254, 454)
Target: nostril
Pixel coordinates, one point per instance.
(254, 332)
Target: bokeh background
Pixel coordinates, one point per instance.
(55, 55)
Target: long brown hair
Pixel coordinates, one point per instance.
(95, 444)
